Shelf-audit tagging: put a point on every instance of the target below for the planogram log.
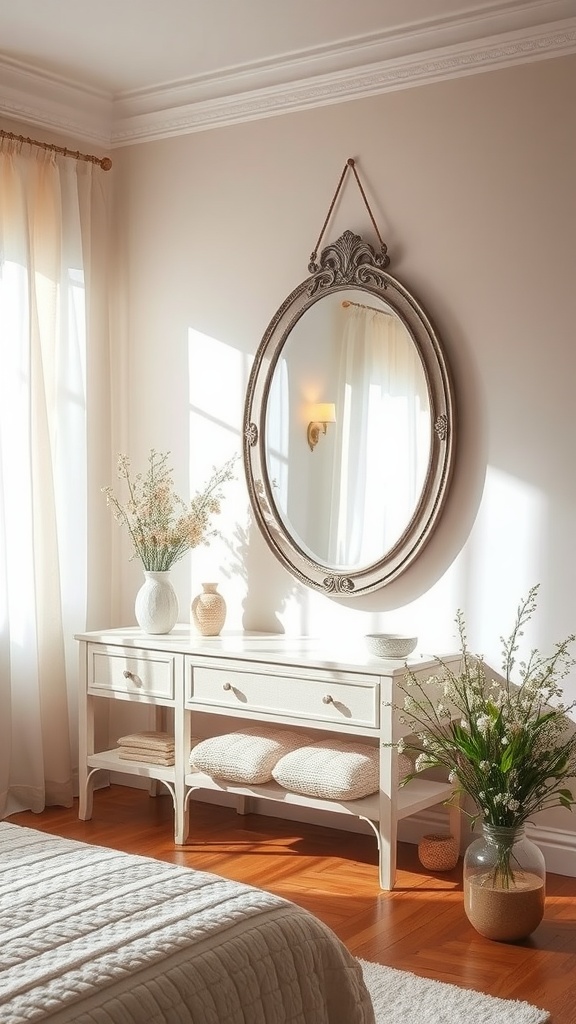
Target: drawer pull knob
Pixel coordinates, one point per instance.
(328, 699)
(132, 675)
(227, 686)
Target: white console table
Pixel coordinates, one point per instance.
(263, 678)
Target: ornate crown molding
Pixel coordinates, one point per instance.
(325, 76)
(133, 123)
(38, 98)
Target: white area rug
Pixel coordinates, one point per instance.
(402, 998)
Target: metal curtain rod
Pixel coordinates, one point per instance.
(348, 302)
(104, 162)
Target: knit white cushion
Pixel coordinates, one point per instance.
(333, 769)
(248, 755)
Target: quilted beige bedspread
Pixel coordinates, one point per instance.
(92, 936)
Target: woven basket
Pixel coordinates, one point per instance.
(438, 853)
(405, 766)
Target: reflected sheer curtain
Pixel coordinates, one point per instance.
(52, 234)
(383, 430)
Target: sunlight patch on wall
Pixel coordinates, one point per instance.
(506, 558)
(217, 383)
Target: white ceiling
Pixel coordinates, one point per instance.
(121, 71)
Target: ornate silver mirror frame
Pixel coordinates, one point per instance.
(346, 270)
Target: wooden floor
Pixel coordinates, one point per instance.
(419, 927)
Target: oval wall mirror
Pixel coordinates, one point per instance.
(349, 424)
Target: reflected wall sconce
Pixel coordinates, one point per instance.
(323, 414)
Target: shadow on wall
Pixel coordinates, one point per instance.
(268, 591)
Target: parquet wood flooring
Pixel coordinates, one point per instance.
(420, 926)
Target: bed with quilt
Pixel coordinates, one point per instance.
(92, 936)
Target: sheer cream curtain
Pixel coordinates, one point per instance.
(52, 315)
(383, 434)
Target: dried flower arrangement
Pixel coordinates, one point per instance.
(162, 526)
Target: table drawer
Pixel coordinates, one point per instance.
(126, 671)
(329, 700)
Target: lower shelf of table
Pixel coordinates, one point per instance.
(111, 761)
(416, 796)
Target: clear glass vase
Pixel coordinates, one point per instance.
(504, 884)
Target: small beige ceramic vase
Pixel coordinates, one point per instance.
(208, 610)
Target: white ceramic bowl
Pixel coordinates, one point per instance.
(390, 645)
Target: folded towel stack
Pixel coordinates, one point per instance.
(152, 747)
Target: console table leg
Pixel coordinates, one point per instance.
(85, 793)
(387, 859)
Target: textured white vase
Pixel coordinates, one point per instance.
(156, 605)
(208, 610)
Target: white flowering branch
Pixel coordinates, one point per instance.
(511, 748)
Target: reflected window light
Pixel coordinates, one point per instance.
(278, 432)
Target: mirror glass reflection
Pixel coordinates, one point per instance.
(347, 478)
